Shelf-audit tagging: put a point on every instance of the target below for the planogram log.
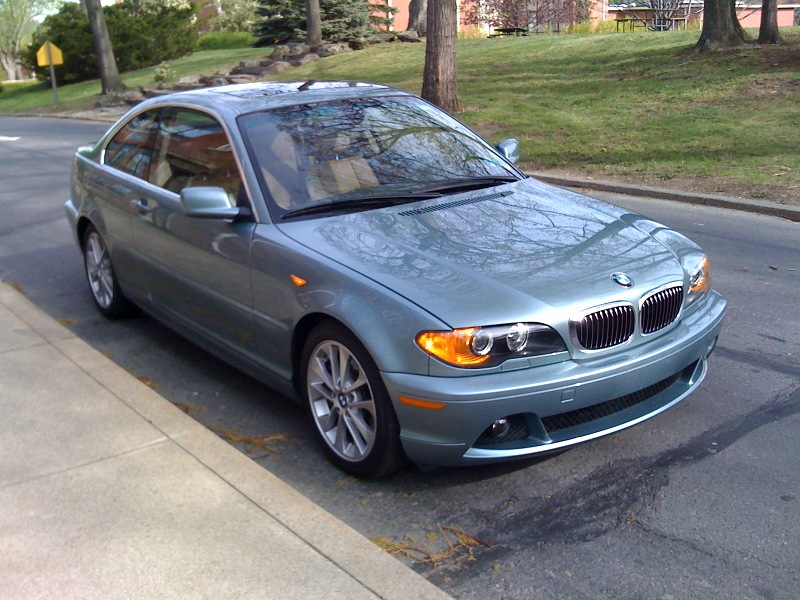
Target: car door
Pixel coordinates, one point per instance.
(114, 185)
(197, 270)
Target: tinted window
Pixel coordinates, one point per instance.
(131, 149)
(193, 151)
(361, 147)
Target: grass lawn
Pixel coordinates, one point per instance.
(36, 97)
(636, 106)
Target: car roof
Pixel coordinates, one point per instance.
(251, 97)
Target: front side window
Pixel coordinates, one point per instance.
(131, 148)
(193, 150)
(362, 148)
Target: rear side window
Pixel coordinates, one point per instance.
(193, 150)
(131, 149)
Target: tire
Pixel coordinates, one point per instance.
(106, 293)
(348, 404)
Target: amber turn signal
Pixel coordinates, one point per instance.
(453, 347)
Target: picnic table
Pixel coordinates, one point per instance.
(647, 19)
(508, 31)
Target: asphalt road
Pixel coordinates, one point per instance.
(702, 501)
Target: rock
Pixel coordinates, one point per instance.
(182, 87)
(216, 81)
(190, 80)
(383, 38)
(132, 97)
(279, 66)
(256, 71)
(359, 44)
(248, 63)
(408, 36)
(241, 78)
(332, 49)
(279, 52)
(152, 92)
(298, 49)
(311, 57)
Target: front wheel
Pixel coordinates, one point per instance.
(106, 293)
(349, 405)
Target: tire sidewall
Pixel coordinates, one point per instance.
(386, 454)
(119, 306)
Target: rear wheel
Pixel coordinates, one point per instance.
(106, 293)
(349, 405)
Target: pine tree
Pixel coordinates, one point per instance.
(282, 21)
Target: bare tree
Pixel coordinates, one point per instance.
(313, 24)
(721, 27)
(768, 32)
(418, 16)
(439, 79)
(526, 14)
(106, 63)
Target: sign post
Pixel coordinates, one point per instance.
(49, 55)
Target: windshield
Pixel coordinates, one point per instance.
(332, 152)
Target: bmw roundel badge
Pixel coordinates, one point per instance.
(622, 279)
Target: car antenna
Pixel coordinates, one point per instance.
(306, 85)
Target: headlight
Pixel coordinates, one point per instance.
(699, 281)
(490, 346)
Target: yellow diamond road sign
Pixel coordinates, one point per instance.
(42, 58)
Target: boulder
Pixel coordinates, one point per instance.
(304, 60)
(383, 38)
(279, 52)
(359, 44)
(241, 78)
(216, 81)
(190, 80)
(279, 66)
(298, 49)
(408, 36)
(256, 71)
(332, 49)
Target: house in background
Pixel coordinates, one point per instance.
(749, 14)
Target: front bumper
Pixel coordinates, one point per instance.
(560, 404)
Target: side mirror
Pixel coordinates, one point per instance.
(509, 149)
(209, 203)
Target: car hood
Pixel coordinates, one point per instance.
(525, 251)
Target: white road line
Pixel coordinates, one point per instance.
(4, 138)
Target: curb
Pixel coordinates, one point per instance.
(764, 207)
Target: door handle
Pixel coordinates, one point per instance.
(142, 206)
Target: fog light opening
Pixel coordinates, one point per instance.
(500, 428)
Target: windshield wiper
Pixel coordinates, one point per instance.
(355, 204)
(467, 183)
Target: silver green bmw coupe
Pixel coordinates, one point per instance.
(358, 249)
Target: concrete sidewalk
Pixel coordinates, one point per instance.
(109, 491)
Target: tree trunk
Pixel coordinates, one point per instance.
(768, 32)
(106, 63)
(721, 28)
(439, 79)
(417, 16)
(313, 24)
(11, 65)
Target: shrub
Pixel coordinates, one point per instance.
(225, 40)
(164, 74)
(142, 34)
